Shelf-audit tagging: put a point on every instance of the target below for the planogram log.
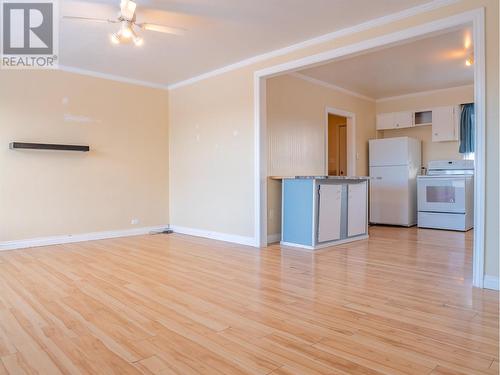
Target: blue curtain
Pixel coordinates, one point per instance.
(467, 129)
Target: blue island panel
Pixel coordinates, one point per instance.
(298, 211)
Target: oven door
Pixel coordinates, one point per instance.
(441, 194)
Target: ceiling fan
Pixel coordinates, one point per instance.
(127, 20)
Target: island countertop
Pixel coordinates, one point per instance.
(319, 177)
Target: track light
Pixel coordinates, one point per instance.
(469, 61)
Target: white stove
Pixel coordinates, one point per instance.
(446, 195)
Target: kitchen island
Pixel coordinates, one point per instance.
(322, 211)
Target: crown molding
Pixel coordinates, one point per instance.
(111, 77)
(410, 12)
(421, 93)
(330, 86)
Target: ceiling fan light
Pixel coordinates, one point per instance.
(128, 8)
(115, 38)
(126, 32)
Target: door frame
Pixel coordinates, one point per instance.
(474, 17)
(351, 138)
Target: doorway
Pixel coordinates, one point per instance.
(476, 18)
(340, 142)
(337, 145)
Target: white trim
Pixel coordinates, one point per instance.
(421, 93)
(273, 238)
(383, 40)
(330, 86)
(410, 12)
(242, 240)
(112, 77)
(476, 17)
(260, 163)
(351, 138)
(491, 282)
(70, 238)
(480, 146)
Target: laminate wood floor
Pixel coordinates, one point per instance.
(398, 303)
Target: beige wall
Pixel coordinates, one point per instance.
(124, 176)
(224, 103)
(430, 150)
(296, 126)
(211, 167)
(296, 129)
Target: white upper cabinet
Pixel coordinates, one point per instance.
(385, 121)
(394, 120)
(403, 119)
(445, 121)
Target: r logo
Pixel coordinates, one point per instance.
(28, 28)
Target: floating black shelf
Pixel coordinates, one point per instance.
(47, 146)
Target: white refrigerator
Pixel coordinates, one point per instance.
(394, 166)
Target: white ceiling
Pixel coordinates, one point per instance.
(220, 32)
(432, 63)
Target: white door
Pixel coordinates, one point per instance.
(389, 195)
(356, 209)
(329, 206)
(403, 119)
(443, 124)
(385, 121)
(388, 151)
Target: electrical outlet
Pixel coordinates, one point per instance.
(134, 221)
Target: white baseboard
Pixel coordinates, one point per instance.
(68, 238)
(242, 240)
(491, 282)
(273, 238)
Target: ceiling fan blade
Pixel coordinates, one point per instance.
(90, 19)
(161, 28)
(127, 8)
